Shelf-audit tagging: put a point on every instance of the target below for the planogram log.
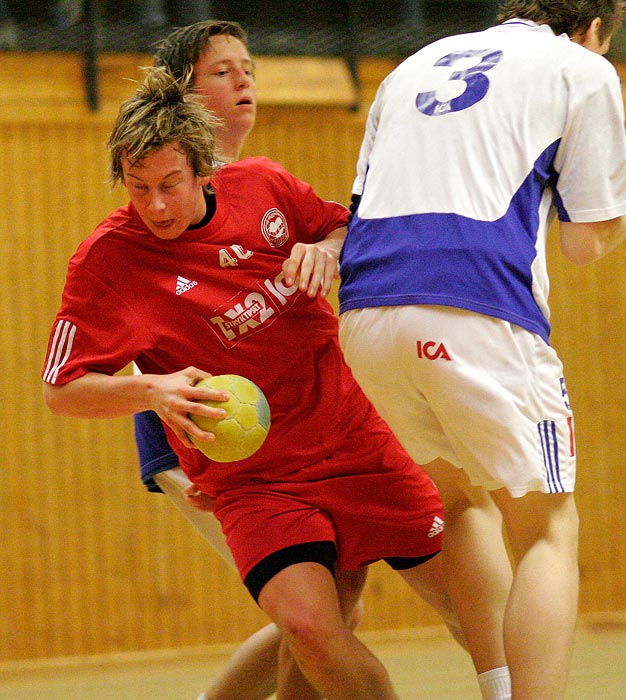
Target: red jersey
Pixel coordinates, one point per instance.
(215, 298)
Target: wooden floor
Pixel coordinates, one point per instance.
(424, 664)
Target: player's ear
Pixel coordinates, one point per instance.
(590, 38)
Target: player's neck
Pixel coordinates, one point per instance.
(229, 149)
(230, 141)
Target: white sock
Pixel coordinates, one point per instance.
(494, 684)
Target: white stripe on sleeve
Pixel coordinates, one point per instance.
(60, 350)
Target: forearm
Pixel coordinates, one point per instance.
(97, 395)
(174, 397)
(584, 243)
(333, 243)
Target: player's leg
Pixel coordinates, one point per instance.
(349, 588)
(302, 599)
(475, 562)
(543, 534)
(477, 573)
(428, 581)
(475, 568)
(250, 673)
(291, 683)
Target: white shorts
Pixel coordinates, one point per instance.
(479, 392)
(173, 483)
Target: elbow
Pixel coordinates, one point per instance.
(584, 243)
(52, 398)
(580, 257)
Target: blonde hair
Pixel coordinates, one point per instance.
(162, 112)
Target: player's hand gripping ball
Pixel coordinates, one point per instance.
(244, 429)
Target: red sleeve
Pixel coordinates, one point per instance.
(94, 331)
(315, 217)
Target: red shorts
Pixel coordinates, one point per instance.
(370, 499)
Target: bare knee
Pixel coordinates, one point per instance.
(312, 640)
(535, 518)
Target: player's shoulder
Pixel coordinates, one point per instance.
(253, 164)
(561, 54)
(592, 63)
(121, 222)
(578, 70)
(257, 168)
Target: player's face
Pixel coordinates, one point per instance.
(224, 77)
(166, 192)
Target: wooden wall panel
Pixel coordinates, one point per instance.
(89, 561)
(589, 322)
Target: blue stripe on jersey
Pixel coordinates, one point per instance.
(550, 447)
(451, 260)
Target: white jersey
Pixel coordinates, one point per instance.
(471, 147)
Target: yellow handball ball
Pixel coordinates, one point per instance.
(244, 429)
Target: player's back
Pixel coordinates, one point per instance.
(462, 123)
(470, 145)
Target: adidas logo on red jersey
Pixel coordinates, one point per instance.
(184, 285)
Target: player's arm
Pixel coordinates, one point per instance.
(172, 396)
(583, 243)
(314, 265)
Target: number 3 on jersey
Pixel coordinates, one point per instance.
(476, 83)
